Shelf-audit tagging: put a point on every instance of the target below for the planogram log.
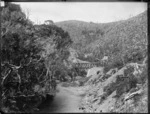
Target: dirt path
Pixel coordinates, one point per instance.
(66, 100)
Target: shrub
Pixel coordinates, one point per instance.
(106, 76)
(144, 75)
(114, 63)
(133, 81)
(125, 84)
(129, 70)
(103, 97)
(109, 89)
(65, 84)
(81, 83)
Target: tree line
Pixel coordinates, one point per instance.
(31, 57)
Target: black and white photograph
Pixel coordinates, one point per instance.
(74, 57)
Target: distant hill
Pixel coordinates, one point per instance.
(135, 27)
(107, 38)
(82, 32)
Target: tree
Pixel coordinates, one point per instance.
(29, 54)
(55, 43)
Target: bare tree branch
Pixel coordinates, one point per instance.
(7, 29)
(29, 62)
(5, 77)
(41, 75)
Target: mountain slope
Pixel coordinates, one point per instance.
(82, 32)
(112, 38)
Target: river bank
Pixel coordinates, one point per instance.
(67, 100)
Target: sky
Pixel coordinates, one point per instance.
(98, 12)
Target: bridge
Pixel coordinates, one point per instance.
(89, 65)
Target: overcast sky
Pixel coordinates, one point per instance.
(99, 12)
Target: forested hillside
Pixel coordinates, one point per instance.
(124, 40)
(82, 32)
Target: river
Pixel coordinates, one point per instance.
(67, 100)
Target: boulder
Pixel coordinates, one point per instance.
(95, 71)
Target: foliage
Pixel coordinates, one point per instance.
(29, 54)
(21, 64)
(123, 41)
(65, 84)
(113, 63)
(109, 89)
(80, 72)
(143, 75)
(55, 43)
(82, 32)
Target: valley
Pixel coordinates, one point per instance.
(73, 66)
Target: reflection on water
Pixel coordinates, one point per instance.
(64, 101)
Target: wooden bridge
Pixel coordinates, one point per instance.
(89, 65)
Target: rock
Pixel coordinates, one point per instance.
(94, 93)
(129, 96)
(95, 71)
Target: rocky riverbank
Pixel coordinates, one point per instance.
(124, 90)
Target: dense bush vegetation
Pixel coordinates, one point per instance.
(30, 53)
